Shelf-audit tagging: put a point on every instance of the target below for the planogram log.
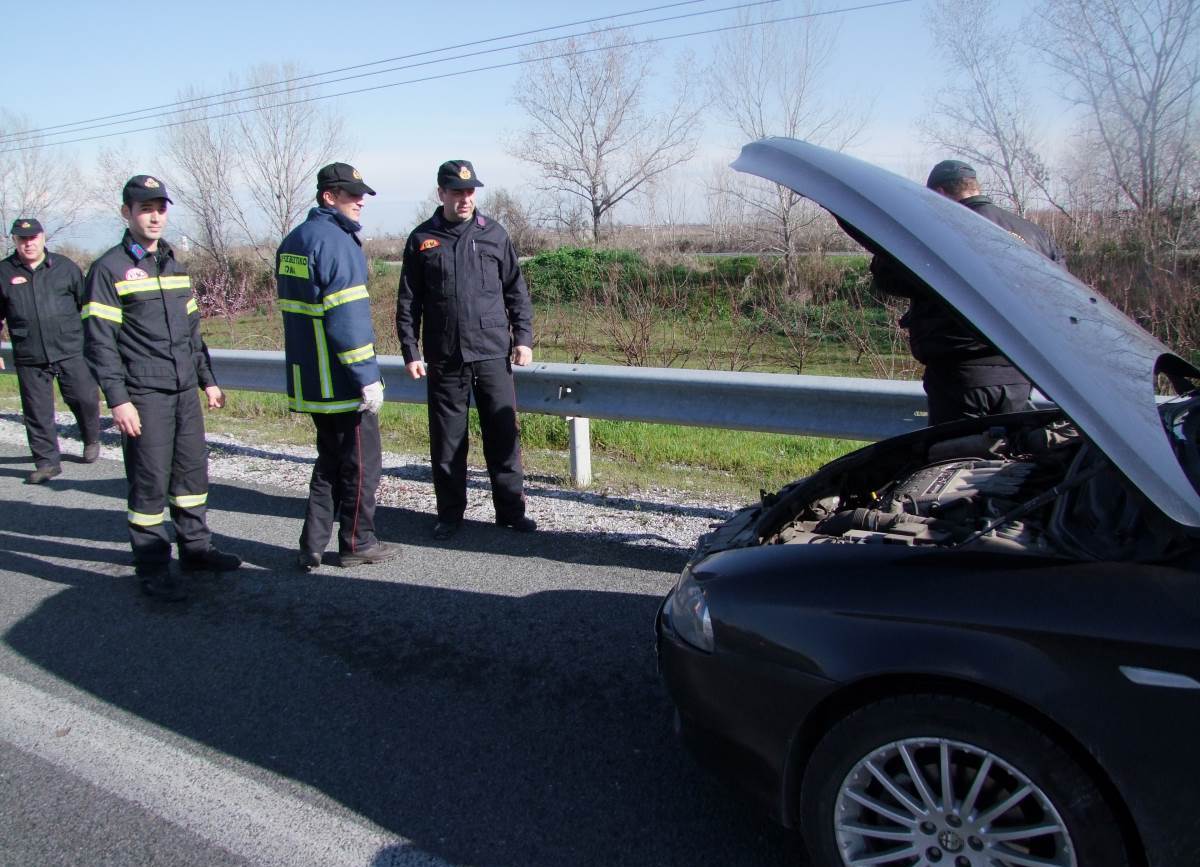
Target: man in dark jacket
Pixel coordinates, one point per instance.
(332, 372)
(41, 294)
(463, 297)
(965, 375)
(142, 341)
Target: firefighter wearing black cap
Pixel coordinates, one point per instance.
(41, 295)
(142, 341)
(332, 372)
(965, 375)
(463, 297)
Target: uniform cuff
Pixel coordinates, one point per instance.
(115, 396)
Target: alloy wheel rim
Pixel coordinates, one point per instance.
(936, 802)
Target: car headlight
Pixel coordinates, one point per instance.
(687, 613)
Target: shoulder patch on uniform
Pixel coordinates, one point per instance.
(429, 244)
(293, 265)
(136, 274)
(479, 220)
(17, 280)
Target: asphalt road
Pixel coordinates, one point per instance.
(493, 701)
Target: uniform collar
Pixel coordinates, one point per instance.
(137, 252)
(972, 201)
(477, 220)
(17, 262)
(353, 227)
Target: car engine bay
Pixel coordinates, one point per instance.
(1039, 490)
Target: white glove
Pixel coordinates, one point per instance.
(372, 398)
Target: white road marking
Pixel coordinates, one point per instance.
(241, 815)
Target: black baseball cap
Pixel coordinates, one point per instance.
(143, 188)
(457, 175)
(342, 176)
(947, 172)
(25, 227)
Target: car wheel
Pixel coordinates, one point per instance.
(934, 781)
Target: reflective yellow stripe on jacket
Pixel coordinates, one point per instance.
(153, 284)
(345, 296)
(301, 307)
(298, 403)
(102, 311)
(361, 354)
(322, 359)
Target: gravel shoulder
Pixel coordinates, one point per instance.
(653, 517)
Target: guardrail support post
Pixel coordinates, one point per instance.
(580, 433)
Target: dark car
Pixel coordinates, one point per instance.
(977, 643)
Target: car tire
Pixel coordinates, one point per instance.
(861, 801)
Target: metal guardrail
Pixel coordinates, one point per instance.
(825, 406)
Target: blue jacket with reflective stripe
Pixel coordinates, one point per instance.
(329, 342)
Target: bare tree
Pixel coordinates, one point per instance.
(280, 146)
(593, 134)
(36, 180)
(114, 164)
(980, 111)
(1134, 67)
(766, 81)
(642, 318)
(424, 208)
(202, 155)
(518, 218)
(664, 204)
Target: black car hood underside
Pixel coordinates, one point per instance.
(1080, 351)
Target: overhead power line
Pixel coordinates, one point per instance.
(6, 138)
(260, 91)
(459, 72)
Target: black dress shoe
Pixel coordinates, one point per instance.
(91, 453)
(211, 560)
(522, 524)
(308, 560)
(443, 530)
(161, 584)
(377, 553)
(43, 474)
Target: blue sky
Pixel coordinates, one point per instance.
(110, 60)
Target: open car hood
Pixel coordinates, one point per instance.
(1081, 352)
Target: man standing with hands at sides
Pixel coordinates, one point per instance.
(142, 341)
(332, 372)
(462, 295)
(41, 294)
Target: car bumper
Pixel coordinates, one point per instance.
(739, 720)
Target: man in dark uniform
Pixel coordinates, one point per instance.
(965, 375)
(462, 295)
(332, 372)
(142, 341)
(41, 294)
